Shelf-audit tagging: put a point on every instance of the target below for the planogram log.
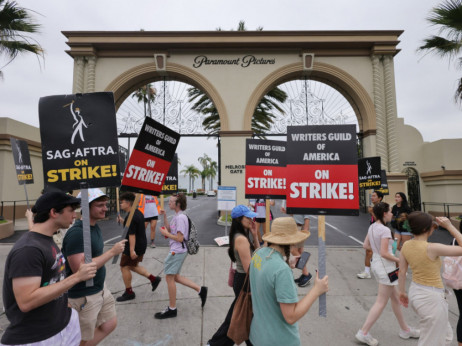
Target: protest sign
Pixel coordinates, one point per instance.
(171, 181)
(383, 183)
(151, 157)
(79, 141)
(369, 173)
(322, 171)
(22, 162)
(265, 169)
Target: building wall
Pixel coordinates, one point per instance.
(10, 190)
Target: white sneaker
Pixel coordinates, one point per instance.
(366, 339)
(411, 333)
(364, 275)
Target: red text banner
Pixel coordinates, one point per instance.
(265, 180)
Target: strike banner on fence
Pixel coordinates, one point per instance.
(369, 173)
(22, 162)
(322, 170)
(151, 157)
(79, 141)
(265, 169)
(171, 182)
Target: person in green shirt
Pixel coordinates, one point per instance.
(275, 303)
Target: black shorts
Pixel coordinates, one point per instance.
(260, 219)
(151, 218)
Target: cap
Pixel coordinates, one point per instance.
(93, 194)
(53, 199)
(242, 210)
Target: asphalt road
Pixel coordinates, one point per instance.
(341, 231)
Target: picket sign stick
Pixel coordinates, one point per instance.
(85, 207)
(129, 221)
(226, 223)
(27, 197)
(161, 219)
(267, 223)
(322, 261)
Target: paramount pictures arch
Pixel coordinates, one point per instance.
(236, 69)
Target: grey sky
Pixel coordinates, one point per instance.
(424, 84)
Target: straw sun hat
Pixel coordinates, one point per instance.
(284, 231)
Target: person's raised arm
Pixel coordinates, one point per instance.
(436, 249)
(294, 311)
(29, 295)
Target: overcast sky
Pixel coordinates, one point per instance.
(424, 84)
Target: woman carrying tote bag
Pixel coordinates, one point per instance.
(240, 251)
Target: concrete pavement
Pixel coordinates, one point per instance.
(348, 302)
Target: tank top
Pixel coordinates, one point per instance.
(239, 266)
(424, 270)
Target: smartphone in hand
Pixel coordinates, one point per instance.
(304, 257)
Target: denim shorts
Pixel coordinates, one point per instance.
(174, 262)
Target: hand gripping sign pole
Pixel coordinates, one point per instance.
(129, 221)
(322, 178)
(76, 155)
(85, 207)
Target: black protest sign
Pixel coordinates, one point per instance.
(22, 162)
(171, 181)
(322, 171)
(265, 169)
(123, 158)
(383, 183)
(150, 160)
(79, 141)
(369, 175)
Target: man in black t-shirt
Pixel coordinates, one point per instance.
(134, 249)
(35, 285)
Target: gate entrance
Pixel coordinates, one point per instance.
(236, 69)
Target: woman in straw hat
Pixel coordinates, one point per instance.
(274, 295)
(240, 251)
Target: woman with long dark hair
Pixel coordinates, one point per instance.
(240, 251)
(379, 240)
(426, 293)
(400, 212)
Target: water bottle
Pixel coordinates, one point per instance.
(394, 246)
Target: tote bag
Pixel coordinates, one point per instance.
(239, 328)
(452, 272)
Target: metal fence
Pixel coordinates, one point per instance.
(20, 202)
(445, 208)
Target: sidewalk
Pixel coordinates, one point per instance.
(348, 302)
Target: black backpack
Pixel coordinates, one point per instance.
(192, 244)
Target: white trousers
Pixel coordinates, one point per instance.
(431, 306)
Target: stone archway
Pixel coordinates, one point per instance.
(124, 84)
(340, 80)
(236, 69)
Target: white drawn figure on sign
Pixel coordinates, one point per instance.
(78, 124)
(369, 168)
(18, 148)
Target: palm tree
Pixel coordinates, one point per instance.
(146, 94)
(204, 161)
(193, 173)
(15, 24)
(213, 168)
(448, 17)
(262, 117)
